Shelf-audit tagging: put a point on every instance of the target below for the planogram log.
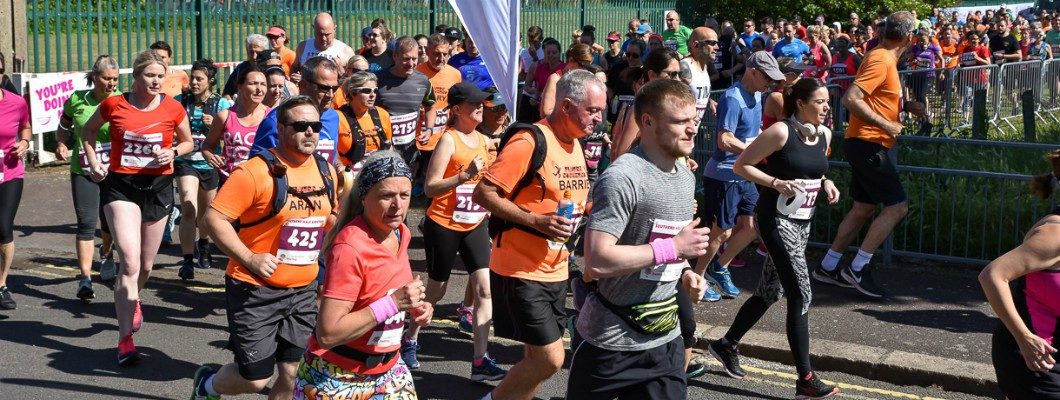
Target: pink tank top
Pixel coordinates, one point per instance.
(541, 74)
(238, 139)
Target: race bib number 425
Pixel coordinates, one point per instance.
(300, 240)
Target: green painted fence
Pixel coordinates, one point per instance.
(67, 35)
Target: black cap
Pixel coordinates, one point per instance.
(466, 92)
(452, 33)
(266, 55)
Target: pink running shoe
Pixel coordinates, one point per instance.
(138, 318)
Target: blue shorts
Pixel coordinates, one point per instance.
(724, 201)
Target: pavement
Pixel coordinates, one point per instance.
(929, 339)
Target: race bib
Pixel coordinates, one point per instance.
(595, 150)
(839, 69)
(388, 333)
(102, 156)
(440, 120)
(467, 212)
(627, 99)
(236, 149)
(702, 104)
(404, 127)
(672, 44)
(946, 61)
(300, 240)
(196, 154)
(968, 59)
(326, 148)
(138, 151)
(924, 63)
(662, 229)
(801, 205)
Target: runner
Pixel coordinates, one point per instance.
(176, 81)
(873, 101)
(323, 44)
(363, 127)
(795, 152)
(773, 108)
(15, 139)
(622, 91)
(353, 353)
(270, 292)
(277, 36)
(730, 198)
(376, 50)
(197, 181)
(791, 46)
(356, 64)
(926, 55)
(236, 128)
(454, 222)
(147, 131)
(403, 91)
(76, 111)
(319, 81)
(277, 87)
(442, 77)
(821, 55)
(256, 44)
(538, 77)
(528, 265)
(1025, 341)
(579, 56)
(660, 64)
(845, 64)
(675, 36)
(697, 69)
(637, 244)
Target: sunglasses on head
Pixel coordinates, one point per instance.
(302, 126)
(364, 90)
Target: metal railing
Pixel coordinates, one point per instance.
(68, 35)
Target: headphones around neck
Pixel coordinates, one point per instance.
(809, 130)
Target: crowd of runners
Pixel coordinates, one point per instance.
(301, 167)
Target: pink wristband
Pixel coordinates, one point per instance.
(383, 308)
(664, 250)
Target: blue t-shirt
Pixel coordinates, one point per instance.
(739, 112)
(794, 48)
(265, 138)
(747, 39)
(472, 69)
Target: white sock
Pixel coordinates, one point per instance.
(831, 260)
(860, 261)
(209, 386)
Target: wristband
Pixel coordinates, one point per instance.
(664, 250)
(383, 308)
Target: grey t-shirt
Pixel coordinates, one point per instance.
(402, 98)
(636, 202)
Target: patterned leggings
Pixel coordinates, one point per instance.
(319, 379)
(785, 272)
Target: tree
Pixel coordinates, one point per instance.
(695, 12)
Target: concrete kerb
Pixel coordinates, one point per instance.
(896, 367)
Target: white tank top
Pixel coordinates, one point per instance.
(700, 86)
(333, 53)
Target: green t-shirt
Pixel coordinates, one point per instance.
(1053, 39)
(79, 108)
(677, 39)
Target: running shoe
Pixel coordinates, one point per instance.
(138, 317)
(198, 390)
(205, 260)
(84, 290)
(729, 357)
(487, 371)
(761, 249)
(408, 354)
(832, 278)
(695, 370)
(863, 282)
(723, 278)
(464, 316)
(187, 270)
(737, 262)
(108, 268)
(810, 387)
(127, 354)
(6, 302)
(711, 295)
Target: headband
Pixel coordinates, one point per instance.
(376, 170)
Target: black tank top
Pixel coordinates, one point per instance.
(796, 160)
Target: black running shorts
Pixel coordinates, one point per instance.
(442, 244)
(268, 325)
(874, 177)
(528, 311)
(208, 179)
(152, 193)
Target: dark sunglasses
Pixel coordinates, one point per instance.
(632, 55)
(325, 88)
(707, 43)
(302, 126)
(672, 74)
(497, 109)
(274, 37)
(364, 90)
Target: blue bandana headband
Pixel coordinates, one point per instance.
(376, 170)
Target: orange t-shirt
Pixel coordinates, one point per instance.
(950, 54)
(340, 99)
(368, 129)
(878, 78)
(175, 82)
(294, 235)
(287, 57)
(455, 209)
(136, 134)
(520, 254)
(362, 271)
(441, 80)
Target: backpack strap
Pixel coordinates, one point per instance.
(279, 186)
(358, 148)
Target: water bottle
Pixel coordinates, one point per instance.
(566, 207)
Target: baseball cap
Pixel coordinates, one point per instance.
(452, 33)
(819, 19)
(366, 31)
(466, 92)
(276, 31)
(613, 36)
(765, 62)
(495, 100)
(643, 29)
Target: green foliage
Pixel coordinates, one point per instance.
(833, 10)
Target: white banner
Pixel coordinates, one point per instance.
(494, 26)
(47, 94)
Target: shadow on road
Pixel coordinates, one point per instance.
(708, 382)
(78, 388)
(956, 321)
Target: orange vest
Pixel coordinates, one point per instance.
(454, 209)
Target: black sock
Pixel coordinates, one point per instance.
(189, 257)
(204, 242)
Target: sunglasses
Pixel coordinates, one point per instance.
(674, 75)
(302, 126)
(497, 109)
(273, 37)
(325, 88)
(364, 90)
(702, 43)
(632, 55)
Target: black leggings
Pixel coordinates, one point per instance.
(686, 316)
(87, 207)
(10, 197)
(785, 273)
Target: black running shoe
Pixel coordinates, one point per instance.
(863, 282)
(695, 370)
(729, 357)
(810, 387)
(205, 259)
(6, 302)
(834, 278)
(85, 291)
(187, 270)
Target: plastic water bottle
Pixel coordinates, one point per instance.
(566, 207)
